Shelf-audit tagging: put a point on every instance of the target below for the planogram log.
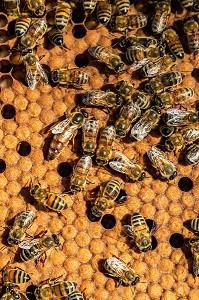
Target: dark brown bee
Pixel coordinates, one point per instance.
(62, 15)
(74, 77)
(89, 5)
(194, 246)
(37, 7)
(128, 22)
(90, 130)
(161, 17)
(171, 38)
(11, 293)
(56, 37)
(192, 156)
(105, 145)
(123, 6)
(191, 28)
(14, 275)
(11, 7)
(22, 25)
(104, 11)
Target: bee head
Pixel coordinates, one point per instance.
(120, 84)
(143, 175)
(136, 280)
(193, 117)
(173, 175)
(56, 240)
(54, 76)
(121, 129)
(40, 11)
(119, 67)
(122, 41)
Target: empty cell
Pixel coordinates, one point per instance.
(79, 31)
(2, 165)
(64, 169)
(176, 240)
(185, 184)
(8, 111)
(4, 37)
(108, 221)
(81, 60)
(78, 16)
(6, 81)
(5, 66)
(23, 148)
(4, 51)
(91, 23)
(3, 21)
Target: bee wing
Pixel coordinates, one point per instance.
(25, 218)
(110, 135)
(98, 97)
(31, 77)
(176, 117)
(104, 54)
(190, 134)
(128, 230)
(59, 128)
(28, 243)
(91, 126)
(117, 266)
(136, 65)
(157, 157)
(42, 73)
(153, 68)
(141, 129)
(196, 264)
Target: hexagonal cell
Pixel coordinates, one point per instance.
(176, 240)
(4, 37)
(23, 148)
(185, 184)
(8, 111)
(2, 165)
(5, 66)
(3, 21)
(79, 31)
(91, 23)
(6, 81)
(11, 28)
(64, 169)
(78, 15)
(4, 51)
(81, 60)
(108, 221)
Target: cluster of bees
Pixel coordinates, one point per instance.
(138, 112)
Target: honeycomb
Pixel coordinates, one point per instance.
(166, 271)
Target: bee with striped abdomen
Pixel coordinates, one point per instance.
(123, 164)
(191, 28)
(128, 41)
(12, 7)
(105, 145)
(123, 6)
(14, 275)
(89, 5)
(63, 14)
(76, 296)
(34, 249)
(161, 163)
(56, 37)
(90, 131)
(128, 22)
(74, 77)
(22, 25)
(104, 11)
(162, 15)
(139, 232)
(37, 7)
(176, 117)
(194, 224)
(22, 222)
(11, 293)
(172, 39)
(194, 246)
(192, 155)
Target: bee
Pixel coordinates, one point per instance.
(33, 35)
(56, 37)
(163, 81)
(37, 7)
(161, 65)
(105, 144)
(161, 163)
(166, 130)
(80, 173)
(161, 17)
(58, 288)
(48, 199)
(175, 96)
(90, 130)
(172, 39)
(106, 99)
(128, 22)
(22, 25)
(89, 5)
(127, 41)
(34, 249)
(124, 165)
(176, 117)
(116, 267)
(192, 155)
(62, 15)
(14, 275)
(123, 6)
(64, 131)
(106, 197)
(194, 246)
(104, 55)
(140, 56)
(11, 293)
(74, 77)
(195, 6)
(11, 7)
(18, 231)
(127, 115)
(186, 3)
(191, 28)
(34, 70)
(145, 124)
(194, 224)
(76, 296)
(104, 11)
(139, 232)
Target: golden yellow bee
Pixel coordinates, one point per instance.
(74, 77)
(106, 99)
(191, 28)
(161, 163)
(106, 56)
(194, 246)
(80, 173)
(104, 11)
(139, 232)
(105, 145)
(63, 15)
(90, 131)
(161, 17)
(12, 7)
(128, 22)
(123, 6)
(89, 5)
(34, 249)
(172, 39)
(12, 292)
(22, 25)
(14, 275)
(123, 164)
(192, 155)
(128, 41)
(37, 7)
(22, 222)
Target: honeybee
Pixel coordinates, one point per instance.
(57, 288)
(11, 293)
(76, 296)
(14, 275)
(123, 6)
(139, 232)
(163, 81)
(104, 11)
(128, 22)
(106, 99)
(90, 130)
(176, 117)
(186, 3)
(194, 246)
(161, 163)
(49, 199)
(116, 267)
(105, 144)
(11, 7)
(34, 33)
(191, 28)
(140, 55)
(145, 124)
(64, 131)
(161, 65)
(127, 41)
(172, 39)
(22, 25)
(89, 5)
(106, 197)
(18, 231)
(80, 173)
(192, 155)
(124, 165)
(62, 14)
(161, 17)
(175, 96)
(37, 7)
(127, 115)
(34, 70)
(74, 77)
(34, 249)
(104, 55)
(56, 37)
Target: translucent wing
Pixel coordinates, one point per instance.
(25, 218)
(28, 243)
(103, 56)
(116, 266)
(95, 98)
(59, 128)
(110, 135)
(31, 77)
(141, 129)
(136, 65)
(190, 134)
(91, 126)
(196, 264)
(153, 68)
(158, 158)
(42, 73)
(128, 230)
(176, 117)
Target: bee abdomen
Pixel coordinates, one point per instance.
(28, 254)
(20, 276)
(123, 6)
(22, 26)
(195, 224)
(138, 222)
(56, 202)
(89, 5)
(112, 189)
(103, 12)
(62, 15)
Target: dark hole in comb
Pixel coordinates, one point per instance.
(30, 292)
(176, 240)
(81, 60)
(108, 221)
(6, 81)
(23, 148)
(3, 21)
(91, 23)
(2, 165)
(4, 37)
(4, 51)
(79, 31)
(64, 169)
(78, 16)
(8, 111)
(5, 66)
(185, 184)
(154, 242)
(11, 28)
